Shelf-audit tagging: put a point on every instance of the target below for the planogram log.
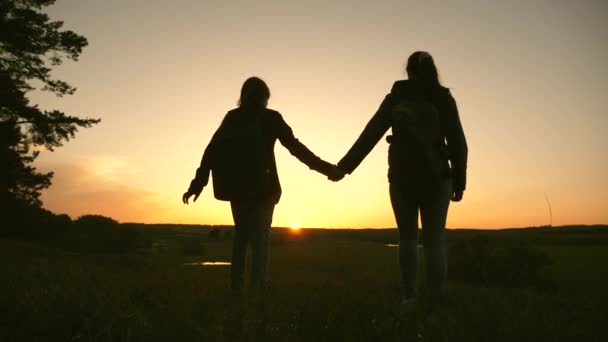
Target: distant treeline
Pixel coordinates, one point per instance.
(100, 234)
(506, 257)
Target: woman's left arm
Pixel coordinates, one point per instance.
(298, 149)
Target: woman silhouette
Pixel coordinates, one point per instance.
(241, 158)
(427, 166)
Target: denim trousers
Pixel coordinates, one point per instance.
(433, 208)
(252, 221)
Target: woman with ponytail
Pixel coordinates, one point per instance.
(427, 166)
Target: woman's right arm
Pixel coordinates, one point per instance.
(201, 178)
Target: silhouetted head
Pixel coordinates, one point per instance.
(420, 66)
(254, 93)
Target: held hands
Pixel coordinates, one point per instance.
(335, 174)
(186, 196)
(457, 196)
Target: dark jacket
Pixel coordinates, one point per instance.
(451, 129)
(273, 127)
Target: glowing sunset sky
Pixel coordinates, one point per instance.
(530, 79)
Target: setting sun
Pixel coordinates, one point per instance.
(295, 228)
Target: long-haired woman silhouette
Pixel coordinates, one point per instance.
(427, 165)
(241, 159)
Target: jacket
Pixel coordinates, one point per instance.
(273, 128)
(451, 129)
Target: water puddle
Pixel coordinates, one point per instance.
(397, 245)
(208, 263)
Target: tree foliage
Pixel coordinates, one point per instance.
(30, 45)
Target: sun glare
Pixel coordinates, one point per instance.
(295, 228)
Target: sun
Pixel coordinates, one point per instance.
(295, 227)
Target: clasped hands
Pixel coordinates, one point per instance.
(335, 173)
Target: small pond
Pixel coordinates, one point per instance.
(208, 263)
(396, 245)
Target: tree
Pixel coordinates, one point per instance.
(30, 45)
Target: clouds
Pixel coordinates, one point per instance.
(102, 185)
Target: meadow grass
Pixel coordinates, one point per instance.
(320, 290)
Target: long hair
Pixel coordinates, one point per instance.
(421, 66)
(254, 94)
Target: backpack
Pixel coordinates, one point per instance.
(238, 168)
(420, 157)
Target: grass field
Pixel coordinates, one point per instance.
(324, 287)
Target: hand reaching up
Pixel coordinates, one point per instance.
(335, 174)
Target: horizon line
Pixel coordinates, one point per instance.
(369, 228)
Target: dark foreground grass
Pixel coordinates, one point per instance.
(320, 291)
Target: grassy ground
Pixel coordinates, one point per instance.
(321, 290)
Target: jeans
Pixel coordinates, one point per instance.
(252, 220)
(433, 211)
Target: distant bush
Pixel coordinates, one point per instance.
(482, 261)
(95, 221)
(63, 220)
(100, 234)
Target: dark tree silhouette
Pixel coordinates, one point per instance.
(30, 45)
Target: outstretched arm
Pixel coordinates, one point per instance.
(300, 151)
(373, 132)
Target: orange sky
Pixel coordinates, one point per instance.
(529, 79)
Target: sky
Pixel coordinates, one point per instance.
(528, 76)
